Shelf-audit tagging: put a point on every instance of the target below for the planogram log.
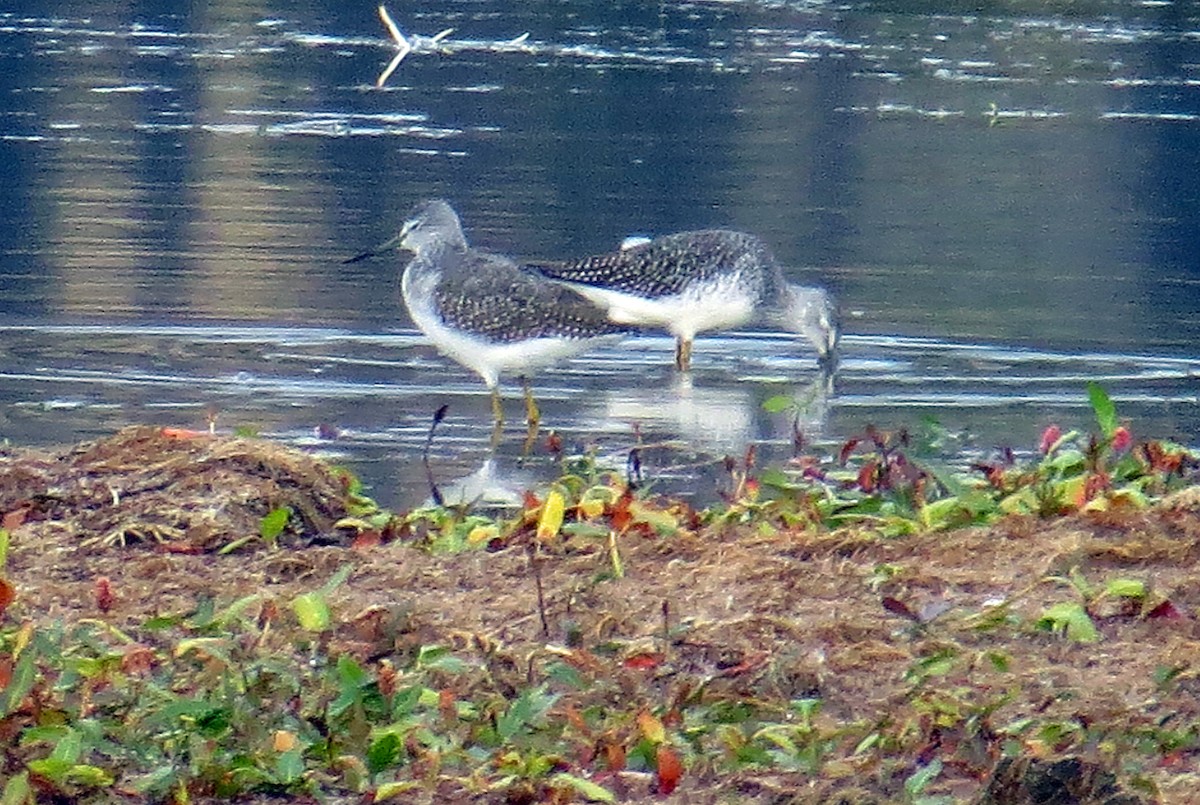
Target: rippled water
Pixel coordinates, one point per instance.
(1004, 200)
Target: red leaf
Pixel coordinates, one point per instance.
(8, 594)
(446, 705)
(644, 661)
(365, 540)
(1121, 439)
(669, 769)
(614, 755)
(182, 433)
(15, 518)
(748, 664)
(137, 659)
(575, 719)
(178, 547)
(750, 457)
(1166, 610)
(386, 677)
(866, 476)
(1175, 759)
(105, 597)
(621, 516)
(898, 607)
(1050, 437)
(530, 501)
(993, 472)
(1095, 484)
(1161, 460)
(847, 449)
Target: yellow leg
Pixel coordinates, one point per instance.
(532, 414)
(497, 408)
(683, 354)
(497, 418)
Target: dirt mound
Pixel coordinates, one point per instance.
(189, 491)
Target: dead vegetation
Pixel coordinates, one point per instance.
(934, 647)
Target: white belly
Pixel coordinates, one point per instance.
(489, 359)
(718, 304)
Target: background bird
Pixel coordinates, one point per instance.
(690, 282)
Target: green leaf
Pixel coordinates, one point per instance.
(312, 612)
(17, 791)
(92, 776)
(585, 788)
(940, 514)
(566, 675)
(939, 663)
(777, 479)
(337, 579)
(273, 524)
(206, 647)
(51, 768)
(289, 766)
(384, 752)
(529, 707)
(350, 673)
(1106, 412)
(155, 784)
(439, 658)
(922, 777)
(69, 747)
(3, 548)
(23, 677)
(1126, 588)
(1071, 618)
(392, 790)
(777, 404)
(868, 743)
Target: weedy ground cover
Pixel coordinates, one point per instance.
(860, 627)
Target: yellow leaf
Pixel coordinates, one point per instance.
(652, 729)
(552, 517)
(24, 635)
(283, 741)
(482, 533)
(661, 521)
(591, 509)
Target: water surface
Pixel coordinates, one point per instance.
(1004, 200)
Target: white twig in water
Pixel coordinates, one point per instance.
(436, 44)
(403, 48)
(393, 29)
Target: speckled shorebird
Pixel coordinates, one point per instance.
(485, 311)
(690, 282)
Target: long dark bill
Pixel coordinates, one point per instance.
(387, 245)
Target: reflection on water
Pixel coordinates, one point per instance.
(375, 393)
(1005, 202)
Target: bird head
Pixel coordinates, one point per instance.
(811, 312)
(431, 223)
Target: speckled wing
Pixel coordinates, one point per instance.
(666, 266)
(493, 298)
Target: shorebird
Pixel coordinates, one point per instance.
(485, 311)
(690, 282)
